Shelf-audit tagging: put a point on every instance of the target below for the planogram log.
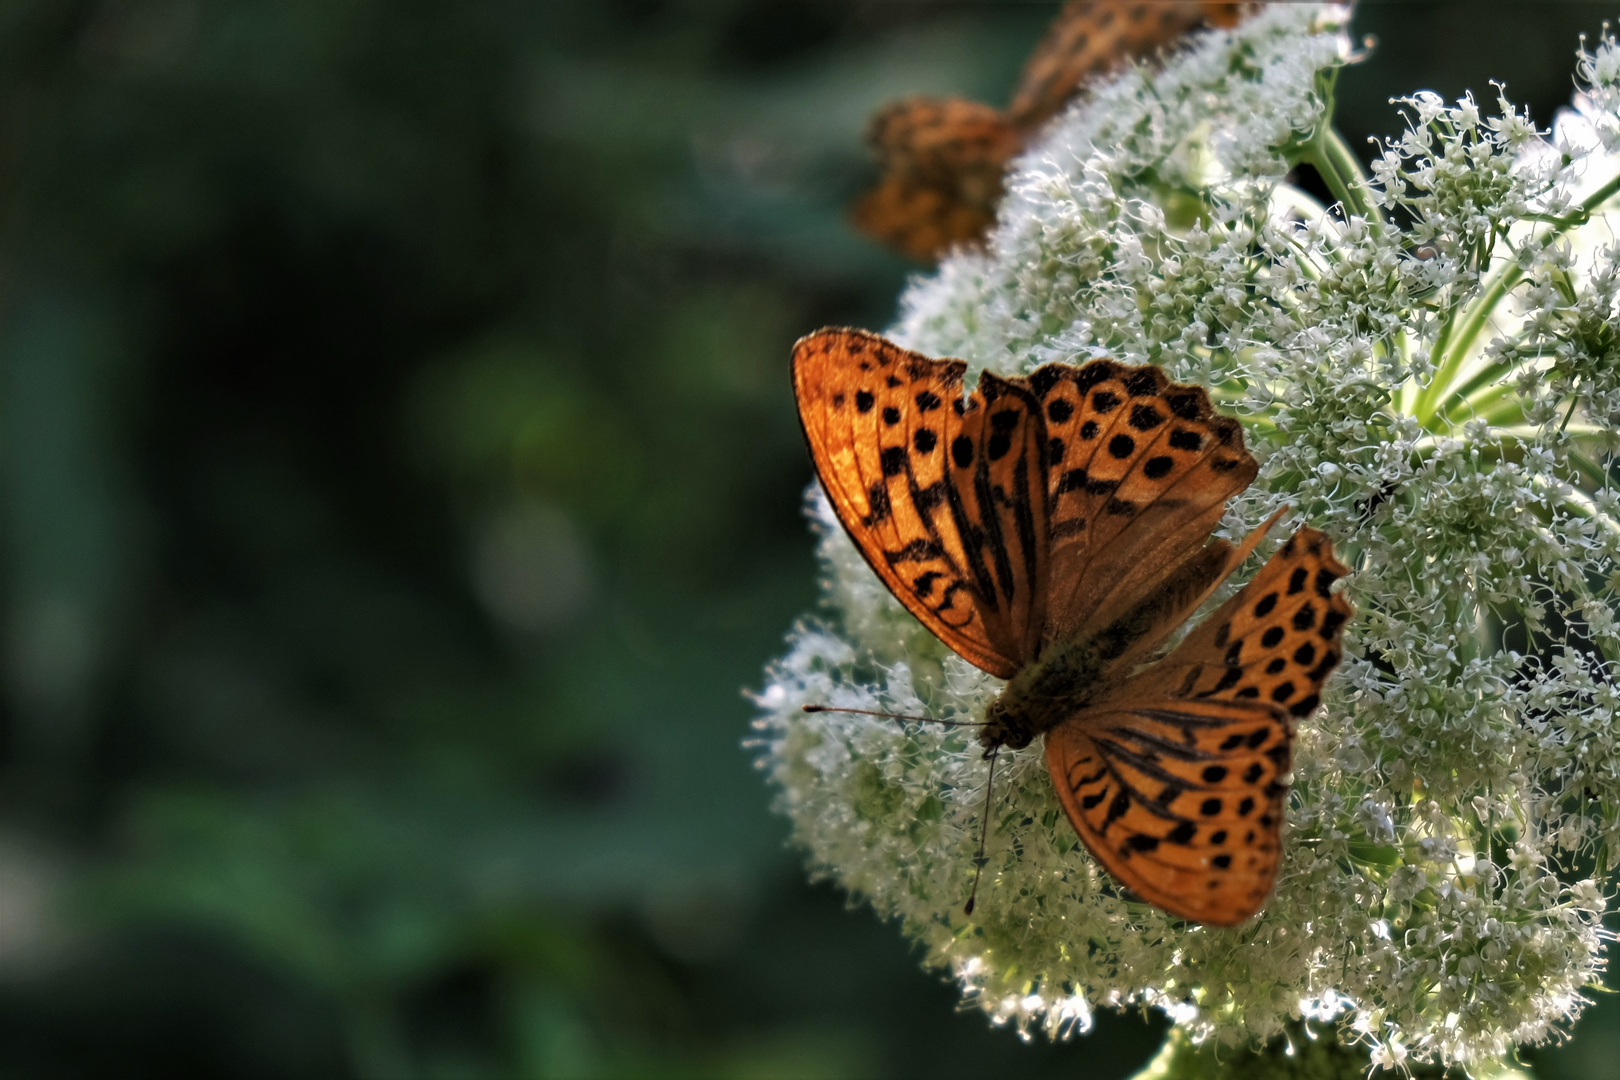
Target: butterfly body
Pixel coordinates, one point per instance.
(1043, 695)
(1055, 530)
(1070, 675)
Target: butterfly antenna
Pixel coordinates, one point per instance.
(893, 716)
(984, 832)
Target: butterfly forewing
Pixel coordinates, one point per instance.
(944, 495)
(944, 141)
(1140, 472)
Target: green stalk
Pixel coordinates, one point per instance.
(1340, 170)
(1597, 474)
(1335, 162)
(1496, 288)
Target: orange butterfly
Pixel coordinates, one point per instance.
(1054, 530)
(942, 158)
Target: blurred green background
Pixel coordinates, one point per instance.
(399, 485)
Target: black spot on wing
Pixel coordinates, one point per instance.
(916, 551)
(962, 451)
(1093, 373)
(1042, 379)
(1320, 671)
(877, 497)
(1145, 417)
(1142, 382)
(925, 499)
(1182, 439)
(1185, 404)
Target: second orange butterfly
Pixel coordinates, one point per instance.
(942, 159)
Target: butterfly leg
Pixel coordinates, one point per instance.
(984, 829)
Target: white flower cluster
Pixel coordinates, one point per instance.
(1433, 377)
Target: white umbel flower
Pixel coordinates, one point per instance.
(1432, 377)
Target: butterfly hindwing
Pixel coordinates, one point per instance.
(1189, 759)
(1276, 641)
(1181, 801)
(943, 495)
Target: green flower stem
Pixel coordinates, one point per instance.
(1335, 162)
(1505, 278)
(1340, 170)
(1597, 474)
